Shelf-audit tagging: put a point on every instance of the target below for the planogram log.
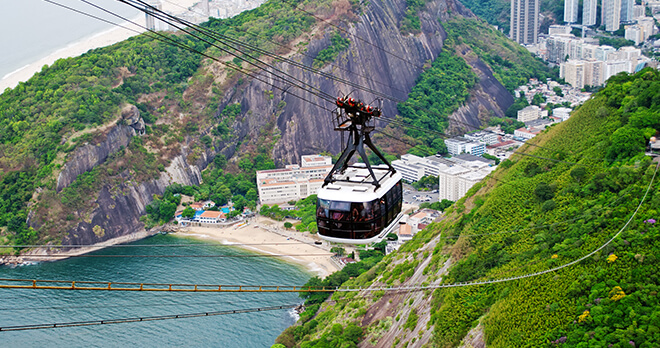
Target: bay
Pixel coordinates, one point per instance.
(33, 29)
(259, 329)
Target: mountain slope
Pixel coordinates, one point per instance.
(87, 143)
(548, 206)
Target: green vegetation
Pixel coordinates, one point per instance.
(429, 182)
(338, 44)
(440, 206)
(615, 41)
(498, 12)
(72, 103)
(161, 210)
(508, 125)
(540, 214)
(305, 211)
(512, 64)
(410, 23)
(491, 157)
(495, 12)
(438, 92)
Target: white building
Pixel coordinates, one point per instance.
(211, 217)
(525, 133)
(529, 113)
(557, 29)
(602, 52)
(410, 168)
(573, 72)
(634, 33)
(563, 113)
(639, 11)
(627, 10)
(455, 181)
(293, 182)
(459, 145)
(611, 14)
(570, 11)
(487, 138)
(589, 12)
(524, 27)
(413, 168)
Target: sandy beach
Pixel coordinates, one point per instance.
(106, 38)
(102, 39)
(266, 236)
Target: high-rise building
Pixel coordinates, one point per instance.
(205, 7)
(627, 10)
(589, 12)
(611, 14)
(525, 21)
(150, 20)
(572, 71)
(570, 11)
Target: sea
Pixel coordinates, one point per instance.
(33, 29)
(256, 329)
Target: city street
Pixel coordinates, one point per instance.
(409, 192)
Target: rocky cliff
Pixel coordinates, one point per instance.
(380, 58)
(86, 157)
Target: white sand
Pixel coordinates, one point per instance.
(277, 241)
(106, 38)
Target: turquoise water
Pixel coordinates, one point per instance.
(25, 307)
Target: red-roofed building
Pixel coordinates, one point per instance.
(197, 206)
(211, 217)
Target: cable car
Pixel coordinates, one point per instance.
(350, 212)
(359, 203)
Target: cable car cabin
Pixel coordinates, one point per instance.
(351, 211)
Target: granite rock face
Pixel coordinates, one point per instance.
(380, 57)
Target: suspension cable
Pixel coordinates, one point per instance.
(143, 319)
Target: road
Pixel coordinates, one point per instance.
(409, 193)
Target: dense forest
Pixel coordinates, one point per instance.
(582, 187)
(76, 101)
(447, 83)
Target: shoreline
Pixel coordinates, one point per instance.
(261, 236)
(17, 260)
(104, 38)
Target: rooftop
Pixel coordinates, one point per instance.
(212, 214)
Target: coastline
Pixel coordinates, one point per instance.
(97, 40)
(13, 260)
(262, 236)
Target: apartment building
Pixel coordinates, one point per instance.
(293, 182)
(525, 21)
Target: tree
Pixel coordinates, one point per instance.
(167, 210)
(578, 173)
(188, 213)
(544, 191)
(626, 142)
(239, 202)
(558, 91)
(251, 195)
(338, 250)
(288, 225)
(538, 99)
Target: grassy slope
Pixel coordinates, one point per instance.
(520, 234)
